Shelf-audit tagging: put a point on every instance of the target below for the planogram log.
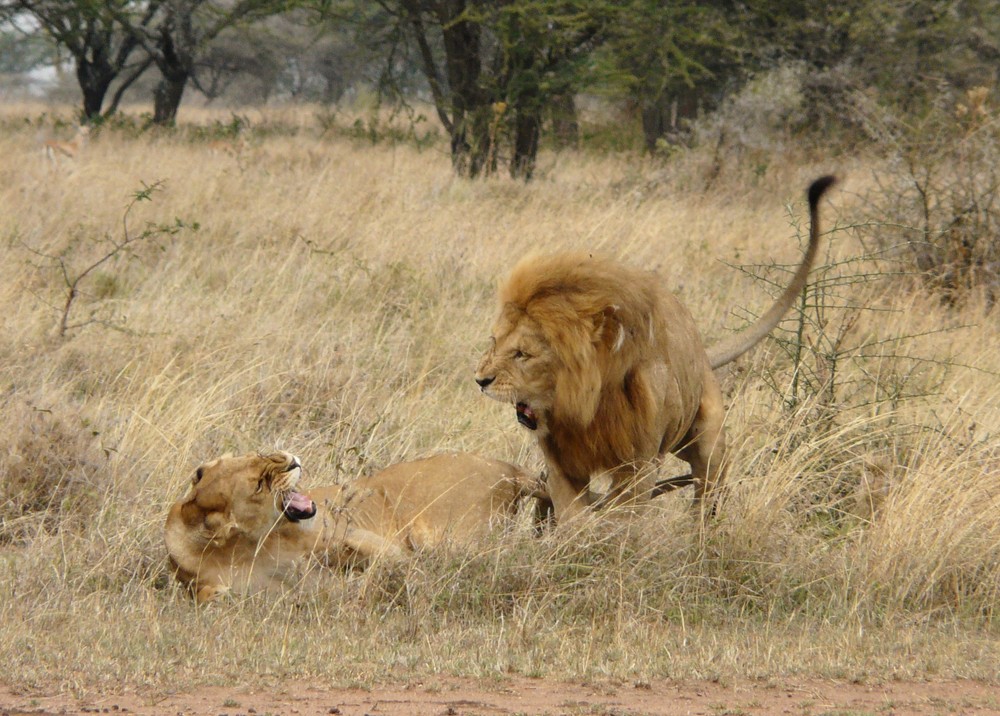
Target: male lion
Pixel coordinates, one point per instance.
(243, 526)
(608, 369)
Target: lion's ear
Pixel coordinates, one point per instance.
(608, 329)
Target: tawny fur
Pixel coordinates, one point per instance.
(230, 532)
(56, 149)
(231, 147)
(609, 370)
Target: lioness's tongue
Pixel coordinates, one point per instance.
(299, 505)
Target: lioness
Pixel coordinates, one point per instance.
(243, 525)
(608, 369)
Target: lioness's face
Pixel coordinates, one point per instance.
(246, 495)
(519, 368)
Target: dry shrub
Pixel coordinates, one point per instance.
(752, 126)
(53, 470)
(935, 206)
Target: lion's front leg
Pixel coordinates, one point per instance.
(570, 497)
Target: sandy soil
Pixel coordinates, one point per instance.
(462, 697)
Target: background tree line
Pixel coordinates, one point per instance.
(504, 75)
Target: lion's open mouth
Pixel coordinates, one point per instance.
(526, 416)
(297, 506)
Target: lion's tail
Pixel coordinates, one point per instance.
(731, 349)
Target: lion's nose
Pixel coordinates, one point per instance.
(483, 382)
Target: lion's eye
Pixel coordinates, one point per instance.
(521, 355)
(198, 474)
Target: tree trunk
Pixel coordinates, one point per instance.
(565, 121)
(94, 83)
(527, 130)
(655, 122)
(167, 97)
(470, 108)
(662, 118)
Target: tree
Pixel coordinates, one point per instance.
(910, 55)
(545, 46)
(672, 60)
(287, 55)
(105, 36)
(22, 46)
(491, 66)
(181, 31)
(103, 48)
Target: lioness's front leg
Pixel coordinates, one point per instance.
(369, 546)
(209, 592)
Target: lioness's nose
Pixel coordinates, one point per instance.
(483, 382)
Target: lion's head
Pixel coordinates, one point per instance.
(232, 504)
(562, 335)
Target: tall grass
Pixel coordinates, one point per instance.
(330, 298)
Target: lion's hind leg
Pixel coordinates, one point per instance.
(630, 485)
(704, 448)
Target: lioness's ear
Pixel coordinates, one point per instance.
(191, 514)
(217, 528)
(211, 527)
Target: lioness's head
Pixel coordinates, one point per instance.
(557, 333)
(233, 498)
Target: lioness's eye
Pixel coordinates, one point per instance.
(520, 355)
(198, 475)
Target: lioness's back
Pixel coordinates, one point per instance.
(450, 494)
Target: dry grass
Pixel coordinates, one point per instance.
(332, 301)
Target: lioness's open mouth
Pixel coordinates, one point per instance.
(297, 506)
(526, 416)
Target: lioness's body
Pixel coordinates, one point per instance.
(608, 369)
(240, 529)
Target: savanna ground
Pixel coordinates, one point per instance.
(165, 302)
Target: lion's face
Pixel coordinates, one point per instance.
(245, 495)
(544, 360)
(518, 369)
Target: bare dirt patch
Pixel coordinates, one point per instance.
(461, 697)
